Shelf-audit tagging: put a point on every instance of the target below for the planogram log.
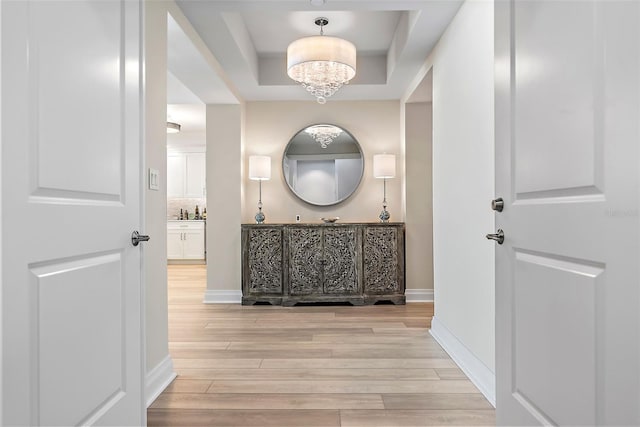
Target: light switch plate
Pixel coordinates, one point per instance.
(154, 179)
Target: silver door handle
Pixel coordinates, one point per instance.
(497, 204)
(136, 238)
(498, 237)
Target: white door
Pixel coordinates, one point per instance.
(567, 138)
(71, 190)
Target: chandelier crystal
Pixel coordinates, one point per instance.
(323, 134)
(321, 64)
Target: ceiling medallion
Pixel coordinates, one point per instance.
(323, 134)
(322, 64)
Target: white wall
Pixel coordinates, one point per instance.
(224, 198)
(270, 126)
(419, 217)
(463, 186)
(159, 365)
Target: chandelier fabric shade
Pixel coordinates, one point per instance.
(322, 64)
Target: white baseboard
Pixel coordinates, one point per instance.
(473, 367)
(158, 379)
(419, 295)
(222, 297)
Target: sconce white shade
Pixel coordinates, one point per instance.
(384, 165)
(259, 168)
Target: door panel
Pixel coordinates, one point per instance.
(567, 302)
(563, 382)
(305, 261)
(549, 68)
(60, 118)
(71, 343)
(71, 196)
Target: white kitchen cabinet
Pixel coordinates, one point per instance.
(186, 175)
(185, 240)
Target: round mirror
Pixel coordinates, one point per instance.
(323, 164)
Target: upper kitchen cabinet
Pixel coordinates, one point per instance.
(186, 175)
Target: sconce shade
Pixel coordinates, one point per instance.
(259, 168)
(384, 165)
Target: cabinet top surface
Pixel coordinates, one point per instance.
(321, 224)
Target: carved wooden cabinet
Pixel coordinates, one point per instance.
(305, 263)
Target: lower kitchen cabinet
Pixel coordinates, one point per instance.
(185, 240)
(312, 263)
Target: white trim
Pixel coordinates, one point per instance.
(419, 295)
(222, 297)
(473, 367)
(158, 379)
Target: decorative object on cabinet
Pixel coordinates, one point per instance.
(260, 170)
(384, 166)
(323, 176)
(322, 64)
(323, 134)
(330, 219)
(310, 263)
(173, 127)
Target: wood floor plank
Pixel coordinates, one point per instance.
(417, 418)
(310, 374)
(243, 418)
(451, 373)
(249, 354)
(268, 401)
(339, 347)
(356, 363)
(435, 401)
(216, 363)
(188, 386)
(343, 386)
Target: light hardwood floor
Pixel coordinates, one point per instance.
(308, 366)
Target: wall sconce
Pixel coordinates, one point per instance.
(384, 166)
(260, 170)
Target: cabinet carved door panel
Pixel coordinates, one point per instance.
(265, 261)
(305, 249)
(381, 275)
(340, 275)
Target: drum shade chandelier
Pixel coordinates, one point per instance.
(322, 64)
(323, 134)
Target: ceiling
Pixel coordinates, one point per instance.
(248, 41)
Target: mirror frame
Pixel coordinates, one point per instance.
(284, 155)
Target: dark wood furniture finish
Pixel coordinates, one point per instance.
(309, 263)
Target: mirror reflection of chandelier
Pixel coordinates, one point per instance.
(323, 134)
(322, 64)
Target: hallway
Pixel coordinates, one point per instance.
(308, 366)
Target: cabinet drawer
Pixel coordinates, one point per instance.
(185, 225)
